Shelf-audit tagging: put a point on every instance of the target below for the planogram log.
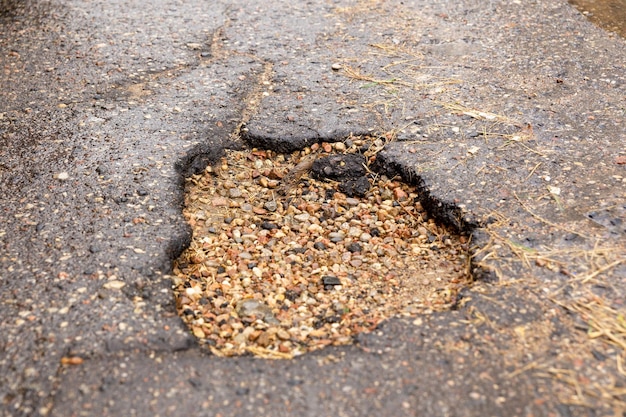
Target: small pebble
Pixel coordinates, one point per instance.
(252, 307)
(114, 285)
(354, 247)
(319, 245)
(315, 228)
(339, 146)
(269, 226)
(271, 206)
(354, 232)
(283, 335)
(303, 217)
(330, 281)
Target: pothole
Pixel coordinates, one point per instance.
(292, 253)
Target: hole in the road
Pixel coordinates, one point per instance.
(292, 253)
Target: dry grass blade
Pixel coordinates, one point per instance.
(601, 270)
(608, 325)
(397, 50)
(548, 222)
(517, 139)
(532, 171)
(357, 75)
(491, 249)
(532, 365)
(598, 260)
(604, 321)
(620, 365)
(609, 394)
(397, 63)
(481, 115)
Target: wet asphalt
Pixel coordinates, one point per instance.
(509, 116)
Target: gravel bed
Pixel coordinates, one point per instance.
(282, 264)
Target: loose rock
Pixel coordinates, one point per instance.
(309, 265)
(330, 281)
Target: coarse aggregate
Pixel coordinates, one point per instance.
(281, 264)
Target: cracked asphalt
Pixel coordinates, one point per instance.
(509, 116)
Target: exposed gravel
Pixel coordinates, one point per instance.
(282, 264)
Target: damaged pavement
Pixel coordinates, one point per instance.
(508, 116)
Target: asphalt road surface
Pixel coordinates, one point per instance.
(509, 116)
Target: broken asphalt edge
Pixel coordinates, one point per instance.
(444, 212)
